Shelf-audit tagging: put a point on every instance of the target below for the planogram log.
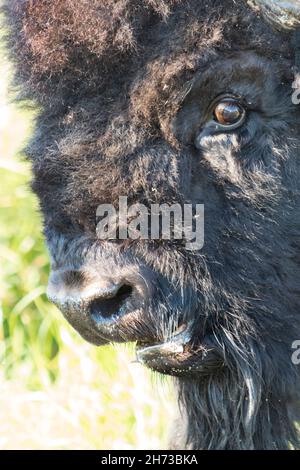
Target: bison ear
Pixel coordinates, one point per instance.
(284, 14)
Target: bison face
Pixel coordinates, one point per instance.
(231, 146)
(175, 102)
(181, 102)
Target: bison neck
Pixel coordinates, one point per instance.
(226, 414)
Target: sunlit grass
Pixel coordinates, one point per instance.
(57, 391)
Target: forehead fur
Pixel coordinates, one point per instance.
(62, 46)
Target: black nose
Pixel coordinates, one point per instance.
(93, 298)
(106, 302)
(111, 304)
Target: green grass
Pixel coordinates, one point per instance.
(56, 390)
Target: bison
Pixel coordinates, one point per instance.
(175, 102)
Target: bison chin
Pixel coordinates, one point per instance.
(178, 357)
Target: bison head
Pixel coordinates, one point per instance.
(175, 102)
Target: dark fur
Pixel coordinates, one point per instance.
(111, 79)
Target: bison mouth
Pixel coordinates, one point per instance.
(120, 311)
(175, 355)
(178, 357)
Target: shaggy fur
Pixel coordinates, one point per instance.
(122, 87)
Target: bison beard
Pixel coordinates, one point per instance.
(123, 88)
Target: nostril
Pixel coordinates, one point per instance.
(105, 307)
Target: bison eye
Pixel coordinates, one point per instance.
(225, 114)
(229, 113)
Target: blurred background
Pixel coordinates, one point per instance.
(57, 391)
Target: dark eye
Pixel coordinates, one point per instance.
(225, 114)
(229, 112)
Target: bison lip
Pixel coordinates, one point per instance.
(172, 346)
(177, 357)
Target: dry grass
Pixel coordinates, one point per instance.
(87, 408)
